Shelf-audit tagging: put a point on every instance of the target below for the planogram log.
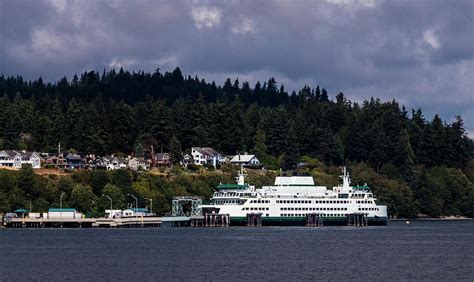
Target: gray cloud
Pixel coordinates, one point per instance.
(418, 52)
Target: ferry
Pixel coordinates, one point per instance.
(293, 198)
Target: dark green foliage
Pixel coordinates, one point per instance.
(98, 180)
(82, 198)
(116, 194)
(175, 150)
(130, 112)
(122, 179)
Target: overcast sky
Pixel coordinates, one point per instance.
(419, 52)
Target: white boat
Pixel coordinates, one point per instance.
(293, 199)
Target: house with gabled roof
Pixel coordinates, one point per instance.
(245, 160)
(187, 159)
(73, 161)
(206, 155)
(114, 162)
(17, 158)
(162, 159)
(138, 163)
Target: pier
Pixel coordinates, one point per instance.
(49, 222)
(125, 222)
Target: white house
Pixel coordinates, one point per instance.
(112, 162)
(246, 160)
(16, 159)
(206, 155)
(137, 163)
(187, 159)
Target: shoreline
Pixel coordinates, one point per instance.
(435, 219)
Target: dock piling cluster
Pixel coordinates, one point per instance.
(314, 220)
(357, 219)
(210, 220)
(254, 219)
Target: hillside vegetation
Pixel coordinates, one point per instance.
(416, 166)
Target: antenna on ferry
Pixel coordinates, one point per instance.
(240, 177)
(345, 178)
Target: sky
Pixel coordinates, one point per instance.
(420, 53)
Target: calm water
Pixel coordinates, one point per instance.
(421, 250)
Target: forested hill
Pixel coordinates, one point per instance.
(125, 112)
(415, 165)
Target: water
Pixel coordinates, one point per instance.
(420, 250)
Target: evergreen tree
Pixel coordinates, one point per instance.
(175, 150)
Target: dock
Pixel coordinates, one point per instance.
(124, 222)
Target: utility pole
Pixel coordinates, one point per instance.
(151, 204)
(61, 205)
(136, 202)
(111, 202)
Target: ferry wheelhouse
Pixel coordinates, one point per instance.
(292, 198)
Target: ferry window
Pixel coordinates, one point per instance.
(267, 209)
